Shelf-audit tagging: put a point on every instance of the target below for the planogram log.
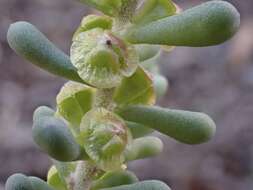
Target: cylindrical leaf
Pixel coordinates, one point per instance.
(185, 126)
(144, 185)
(208, 24)
(144, 147)
(54, 137)
(38, 184)
(18, 182)
(160, 84)
(31, 44)
(113, 179)
(146, 51)
(22, 182)
(138, 130)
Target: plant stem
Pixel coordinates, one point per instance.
(125, 14)
(85, 171)
(104, 98)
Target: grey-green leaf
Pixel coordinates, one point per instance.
(54, 137)
(144, 185)
(184, 126)
(27, 41)
(144, 147)
(210, 23)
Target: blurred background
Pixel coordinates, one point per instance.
(216, 80)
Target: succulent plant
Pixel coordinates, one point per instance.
(106, 112)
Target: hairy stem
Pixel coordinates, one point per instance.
(85, 171)
(104, 98)
(125, 14)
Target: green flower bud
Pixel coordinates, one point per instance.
(151, 10)
(73, 101)
(94, 21)
(113, 179)
(28, 42)
(104, 136)
(137, 89)
(208, 24)
(143, 148)
(184, 126)
(101, 59)
(54, 180)
(54, 137)
(138, 130)
(144, 185)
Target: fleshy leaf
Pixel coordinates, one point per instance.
(137, 89)
(184, 126)
(151, 10)
(146, 52)
(73, 101)
(39, 184)
(152, 64)
(143, 185)
(102, 59)
(208, 24)
(143, 147)
(113, 179)
(104, 136)
(160, 84)
(138, 130)
(22, 182)
(54, 137)
(27, 41)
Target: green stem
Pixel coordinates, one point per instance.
(125, 14)
(85, 171)
(104, 98)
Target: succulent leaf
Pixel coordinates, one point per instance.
(160, 84)
(144, 185)
(146, 51)
(28, 42)
(137, 89)
(18, 182)
(152, 64)
(210, 23)
(54, 137)
(143, 147)
(22, 182)
(113, 179)
(104, 136)
(184, 126)
(39, 184)
(138, 130)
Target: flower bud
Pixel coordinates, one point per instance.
(104, 136)
(102, 59)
